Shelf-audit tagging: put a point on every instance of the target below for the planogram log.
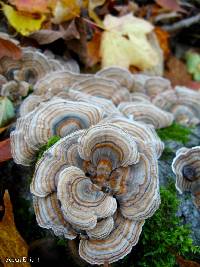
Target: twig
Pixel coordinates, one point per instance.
(182, 24)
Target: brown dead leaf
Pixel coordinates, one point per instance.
(176, 72)
(163, 38)
(79, 45)
(12, 244)
(67, 31)
(131, 7)
(93, 49)
(46, 36)
(5, 150)
(186, 263)
(9, 49)
(170, 5)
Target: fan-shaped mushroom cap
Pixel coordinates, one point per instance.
(81, 204)
(186, 167)
(21, 151)
(103, 228)
(49, 215)
(116, 246)
(140, 131)
(156, 85)
(182, 102)
(58, 81)
(101, 87)
(139, 82)
(139, 97)
(147, 113)
(30, 103)
(15, 90)
(119, 74)
(140, 198)
(56, 117)
(107, 105)
(108, 147)
(61, 155)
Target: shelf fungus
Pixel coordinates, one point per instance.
(55, 117)
(104, 88)
(121, 75)
(182, 102)
(99, 184)
(55, 82)
(107, 105)
(146, 112)
(186, 168)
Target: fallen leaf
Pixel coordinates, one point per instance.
(170, 5)
(7, 111)
(79, 46)
(12, 244)
(125, 43)
(9, 48)
(46, 36)
(176, 72)
(23, 23)
(131, 7)
(93, 49)
(5, 151)
(31, 6)
(163, 38)
(66, 31)
(193, 64)
(92, 4)
(66, 10)
(186, 263)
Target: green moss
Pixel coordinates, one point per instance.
(167, 154)
(175, 132)
(49, 144)
(164, 236)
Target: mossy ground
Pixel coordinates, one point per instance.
(175, 132)
(49, 144)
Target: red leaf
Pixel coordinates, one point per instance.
(5, 150)
(31, 6)
(170, 4)
(9, 49)
(93, 48)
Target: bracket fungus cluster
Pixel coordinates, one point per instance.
(99, 182)
(186, 166)
(18, 75)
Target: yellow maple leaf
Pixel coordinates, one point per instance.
(22, 23)
(12, 245)
(125, 43)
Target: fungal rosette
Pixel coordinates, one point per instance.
(99, 184)
(57, 117)
(186, 167)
